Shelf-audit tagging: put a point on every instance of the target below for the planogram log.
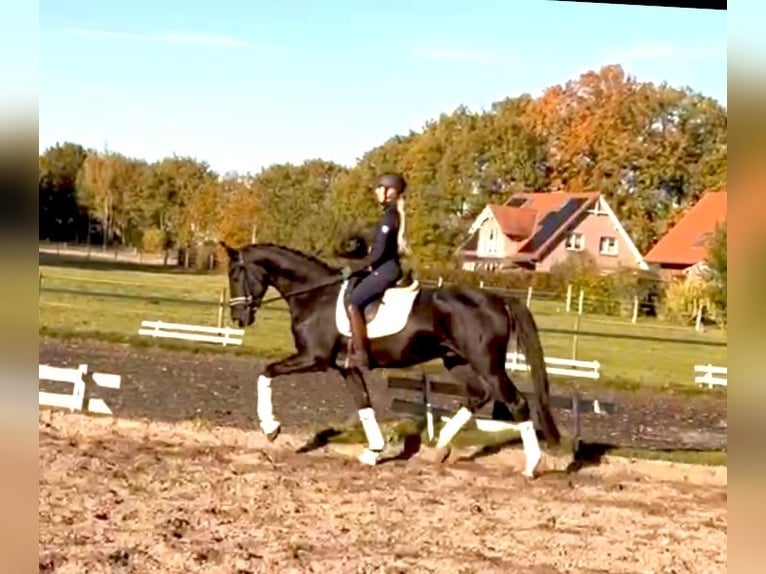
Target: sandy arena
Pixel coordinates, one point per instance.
(120, 495)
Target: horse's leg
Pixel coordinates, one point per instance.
(477, 395)
(294, 364)
(356, 383)
(491, 368)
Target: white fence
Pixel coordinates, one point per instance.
(81, 387)
(221, 335)
(709, 375)
(516, 361)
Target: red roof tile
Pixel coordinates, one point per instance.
(686, 242)
(516, 222)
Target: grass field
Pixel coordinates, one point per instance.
(93, 313)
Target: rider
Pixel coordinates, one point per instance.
(382, 262)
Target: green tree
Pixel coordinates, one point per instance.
(61, 218)
(716, 260)
(295, 204)
(167, 196)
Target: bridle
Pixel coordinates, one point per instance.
(247, 298)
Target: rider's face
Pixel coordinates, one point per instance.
(383, 194)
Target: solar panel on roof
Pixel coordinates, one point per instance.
(551, 222)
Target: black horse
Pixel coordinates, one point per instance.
(467, 328)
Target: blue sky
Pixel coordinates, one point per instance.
(245, 83)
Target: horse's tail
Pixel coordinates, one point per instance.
(529, 340)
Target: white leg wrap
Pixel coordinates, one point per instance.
(453, 426)
(371, 428)
(265, 409)
(531, 445)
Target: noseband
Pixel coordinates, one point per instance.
(248, 298)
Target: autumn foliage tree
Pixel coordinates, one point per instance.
(650, 149)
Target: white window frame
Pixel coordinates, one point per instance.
(607, 248)
(575, 242)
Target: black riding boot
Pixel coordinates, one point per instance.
(357, 353)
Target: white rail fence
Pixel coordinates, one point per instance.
(82, 384)
(516, 361)
(221, 335)
(711, 375)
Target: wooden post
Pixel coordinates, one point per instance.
(481, 284)
(580, 301)
(441, 281)
(221, 300)
(698, 321)
(635, 309)
(569, 298)
(529, 296)
(574, 337)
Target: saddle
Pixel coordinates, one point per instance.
(396, 303)
(371, 310)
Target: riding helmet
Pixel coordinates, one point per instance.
(393, 180)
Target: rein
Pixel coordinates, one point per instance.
(332, 281)
(248, 298)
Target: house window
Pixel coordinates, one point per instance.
(608, 246)
(492, 241)
(575, 242)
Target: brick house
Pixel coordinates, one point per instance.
(683, 249)
(537, 230)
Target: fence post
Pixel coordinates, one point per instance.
(529, 296)
(580, 301)
(635, 309)
(221, 300)
(698, 321)
(440, 281)
(569, 298)
(481, 284)
(574, 337)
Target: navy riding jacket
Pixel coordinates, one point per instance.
(383, 258)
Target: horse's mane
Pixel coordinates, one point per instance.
(293, 251)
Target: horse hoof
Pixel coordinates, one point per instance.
(442, 454)
(369, 457)
(272, 436)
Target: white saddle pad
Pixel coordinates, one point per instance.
(392, 314)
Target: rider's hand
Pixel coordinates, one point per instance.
(345, 272)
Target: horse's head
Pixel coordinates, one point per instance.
(248, 283)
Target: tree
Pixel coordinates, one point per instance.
(651, 150)
(295, 204)
(61, 217)
(167, 198)
(716, 260)
(95, 189)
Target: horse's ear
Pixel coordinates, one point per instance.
(230, 251)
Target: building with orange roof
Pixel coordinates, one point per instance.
(537, 230)
(684, 247)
